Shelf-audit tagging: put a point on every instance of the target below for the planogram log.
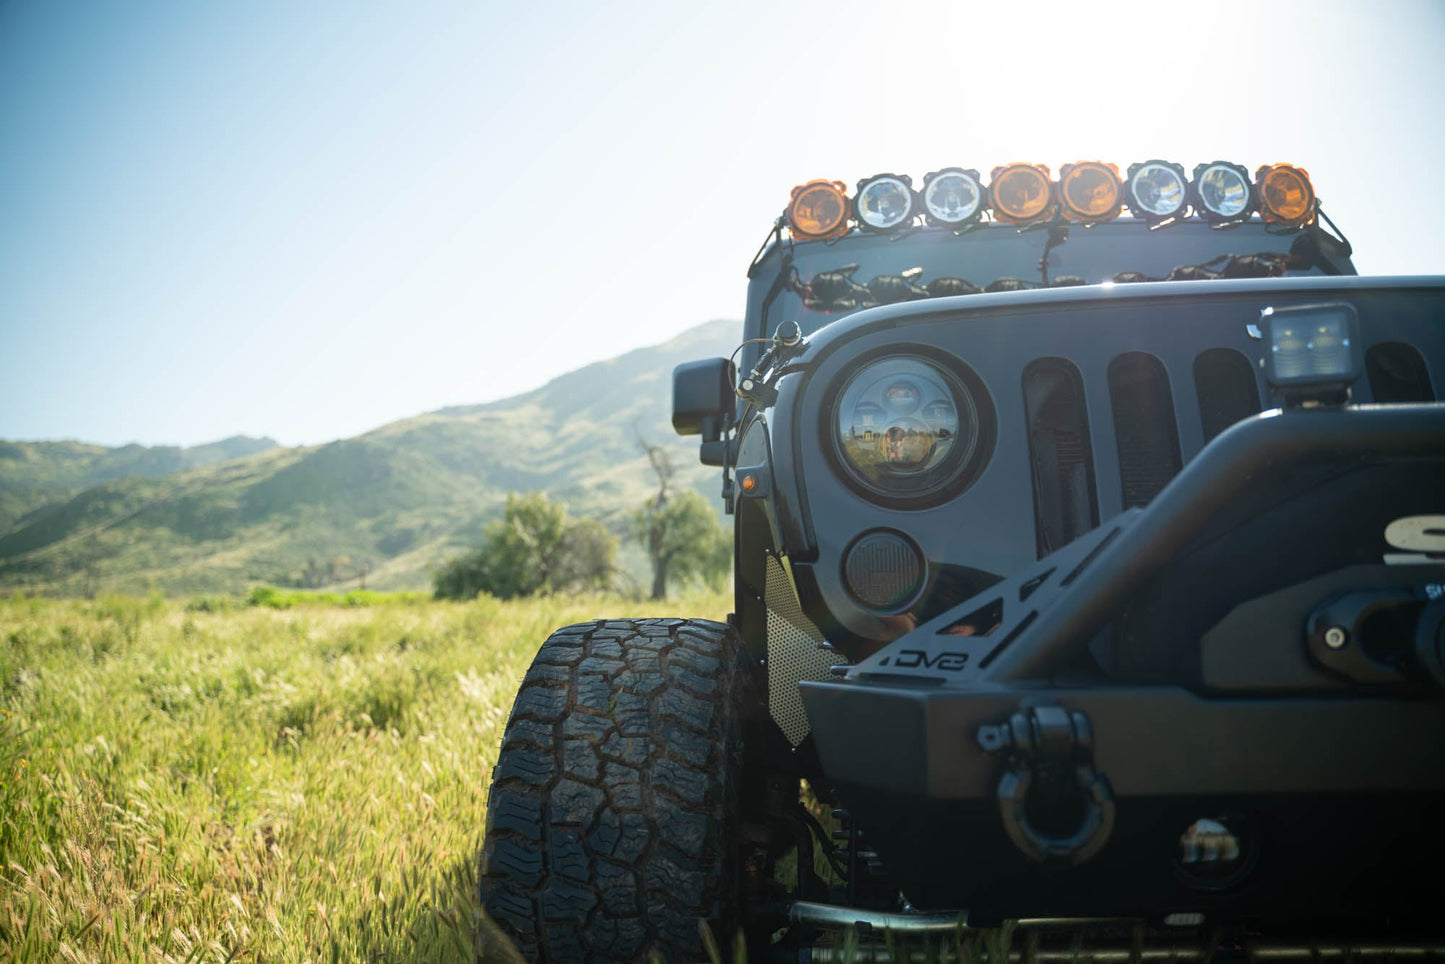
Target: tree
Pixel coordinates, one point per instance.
(683, 540)
(534, 548)
(680, 533)
(462, 577)
(588, 556)
(524, 546)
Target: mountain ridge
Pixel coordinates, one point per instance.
(35, 474)
(386, 505)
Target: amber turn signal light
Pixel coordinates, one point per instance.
(1090, 191)
(1286, 196)
(819, 210)
(1022, 194)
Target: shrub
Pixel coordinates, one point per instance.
(534, 548)
(269, 596)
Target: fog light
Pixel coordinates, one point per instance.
(1215, 853)
(1221, 192)
(952, 197)
(1157, 191)
(884, 202)
(819, 210)
(883, 569)
(1313, 354)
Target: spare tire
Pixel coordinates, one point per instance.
(611, 815)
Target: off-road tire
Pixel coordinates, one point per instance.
(611, 813)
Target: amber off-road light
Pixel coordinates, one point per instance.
(1286, 196)
(952, 198)
(1090, 191)
(1156, 191)
(1221, 192)
(818, 210)
(884, 202)
(1022, 194)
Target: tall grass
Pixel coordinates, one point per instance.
(303, 782)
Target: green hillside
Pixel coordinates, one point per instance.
(394, 501)
(36, 474)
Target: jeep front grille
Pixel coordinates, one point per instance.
(1066, 502)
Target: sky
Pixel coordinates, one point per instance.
(305, 220)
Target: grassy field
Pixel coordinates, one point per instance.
(302, 780)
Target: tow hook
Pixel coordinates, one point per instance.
(1050, 743)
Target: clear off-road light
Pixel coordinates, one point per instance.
(819, 210)
(1286, 196)
(1313, 351)
(884, 202)
(952, 197)
(1090, 191)
(1022, 194)
(1156, 191)
(1221, 192)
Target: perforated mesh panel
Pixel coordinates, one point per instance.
(795, 652)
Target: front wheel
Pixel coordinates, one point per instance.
(611, 816)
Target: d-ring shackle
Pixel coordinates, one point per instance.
(1055, 737)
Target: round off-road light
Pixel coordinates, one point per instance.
(1090, 191)
(1221, 192)
(1286, 196)
(884, 202)
(952, 197)
(1022, 194)
(1156, 191)
(818, 210)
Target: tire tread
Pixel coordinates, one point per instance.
(608, 815)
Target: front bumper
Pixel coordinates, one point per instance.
(1339, 798)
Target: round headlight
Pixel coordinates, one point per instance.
(1022, 194)
(1157, 190)
(906, 428)
(1221, 192)
(1089, 191)
(884, 202)
(952, 197)
(1285, 195)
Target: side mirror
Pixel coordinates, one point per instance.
(702, 397)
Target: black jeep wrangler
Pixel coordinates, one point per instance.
(1090, 586)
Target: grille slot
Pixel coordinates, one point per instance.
(1228, 392)
(1065, 502)
(1397, 373)
(1144, 426)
